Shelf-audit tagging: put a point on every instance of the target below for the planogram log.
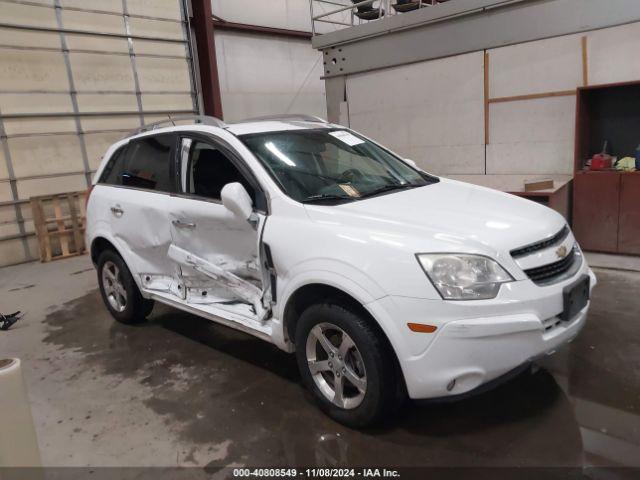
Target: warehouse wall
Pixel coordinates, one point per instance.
(533, 136)
(263, 74)
(428, 111)
(74, 77)
(289, 14)
(432, 111)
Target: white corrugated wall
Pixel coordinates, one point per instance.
(76, 75)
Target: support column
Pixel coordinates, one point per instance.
(202, 22)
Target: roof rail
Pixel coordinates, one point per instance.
(201, 119)
(292, 117)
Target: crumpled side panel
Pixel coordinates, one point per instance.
(244, 290)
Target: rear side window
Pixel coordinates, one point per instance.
(148, 164)
(112, 174)
(145, 163)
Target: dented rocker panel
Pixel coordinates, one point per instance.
(225, 318)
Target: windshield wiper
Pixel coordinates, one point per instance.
(388, 188)
(325, 196)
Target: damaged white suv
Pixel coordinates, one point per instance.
(385, 280)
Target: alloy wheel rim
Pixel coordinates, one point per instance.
(113, 286)
(336, 365)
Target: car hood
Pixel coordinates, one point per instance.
(447, 216)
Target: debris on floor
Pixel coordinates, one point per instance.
(7, 320)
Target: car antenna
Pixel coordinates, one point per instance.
(171, 120)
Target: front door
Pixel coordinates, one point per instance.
(216, 253)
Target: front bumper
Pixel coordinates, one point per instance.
(477, 341)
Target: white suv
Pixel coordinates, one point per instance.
(385, 280)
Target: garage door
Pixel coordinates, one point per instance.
(72, 81)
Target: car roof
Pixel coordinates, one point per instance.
(271, 123)
(263, 126)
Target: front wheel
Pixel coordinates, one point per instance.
(119, 290)
(347, 364)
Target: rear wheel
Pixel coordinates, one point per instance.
(119, 290)
(347, 364)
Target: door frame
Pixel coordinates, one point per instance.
(262, 199)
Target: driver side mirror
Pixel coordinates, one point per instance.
(410, 162)
(236, 199)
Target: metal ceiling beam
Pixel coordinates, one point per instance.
(392, 23)
(464, 26)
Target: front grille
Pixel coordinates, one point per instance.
(548, 273)
(534, 247)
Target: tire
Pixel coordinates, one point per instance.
(122, 298)
(369, 358)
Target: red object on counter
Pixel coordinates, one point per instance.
(601, 161)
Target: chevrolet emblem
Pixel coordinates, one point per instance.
(561, 252)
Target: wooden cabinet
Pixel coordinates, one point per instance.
(606, 204)
(629, 230)
(596, 210)
(606, 211)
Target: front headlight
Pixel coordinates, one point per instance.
(459, 276)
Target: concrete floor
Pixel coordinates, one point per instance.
(180, 390)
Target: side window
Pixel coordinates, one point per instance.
(148, 164)
(209, 169)
(112, 173)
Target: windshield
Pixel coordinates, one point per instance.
(331, 166)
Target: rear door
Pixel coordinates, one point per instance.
(216, 253)
(141, 180)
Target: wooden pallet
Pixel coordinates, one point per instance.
(59, 222)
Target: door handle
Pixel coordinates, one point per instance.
(117, 210)
(181, 224)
